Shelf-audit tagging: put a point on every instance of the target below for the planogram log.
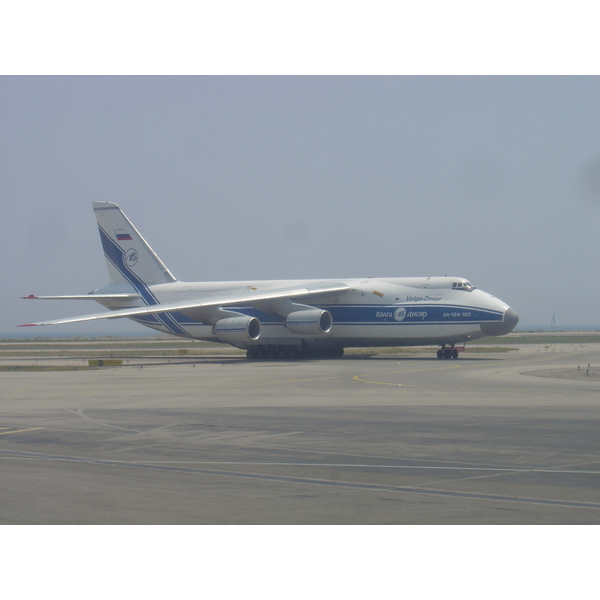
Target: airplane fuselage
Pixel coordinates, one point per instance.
(405, 311)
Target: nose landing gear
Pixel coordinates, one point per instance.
(450, 352)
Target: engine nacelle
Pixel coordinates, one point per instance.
(237, 330)
(309, 322)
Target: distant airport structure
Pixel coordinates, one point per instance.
(290, 318)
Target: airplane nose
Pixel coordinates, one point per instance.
(502, 327)
(511, 318)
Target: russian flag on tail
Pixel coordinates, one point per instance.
(121, 237)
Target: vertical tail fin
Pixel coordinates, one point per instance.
(129, 257)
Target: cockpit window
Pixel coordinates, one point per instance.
(465, 286)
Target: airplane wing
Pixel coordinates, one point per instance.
(206, 302)
(85, 297)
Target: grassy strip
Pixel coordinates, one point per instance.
(424, 350)
(4, 368)
(543, 338)
(132, 353)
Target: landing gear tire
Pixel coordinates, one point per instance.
(273, 352)
(289, 352)
(447, 353)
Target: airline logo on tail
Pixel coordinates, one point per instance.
(131, 257)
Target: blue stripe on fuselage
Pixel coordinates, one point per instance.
(352, 315)
(377, 314)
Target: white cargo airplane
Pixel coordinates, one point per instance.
(286, 319)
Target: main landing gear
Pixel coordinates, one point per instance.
(291, 352)
(444, 352)
(274, 352)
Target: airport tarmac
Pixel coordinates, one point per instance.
(495, 438)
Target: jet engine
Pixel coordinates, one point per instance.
(309, 322)
(237, 330)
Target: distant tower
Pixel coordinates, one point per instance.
(553, 322)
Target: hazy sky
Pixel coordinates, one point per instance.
(496, 179)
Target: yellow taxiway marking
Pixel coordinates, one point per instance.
(440, 387)
(19, 430)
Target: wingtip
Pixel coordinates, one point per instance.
(28, 325)
(30, 297)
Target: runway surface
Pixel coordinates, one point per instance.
(507, 438)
